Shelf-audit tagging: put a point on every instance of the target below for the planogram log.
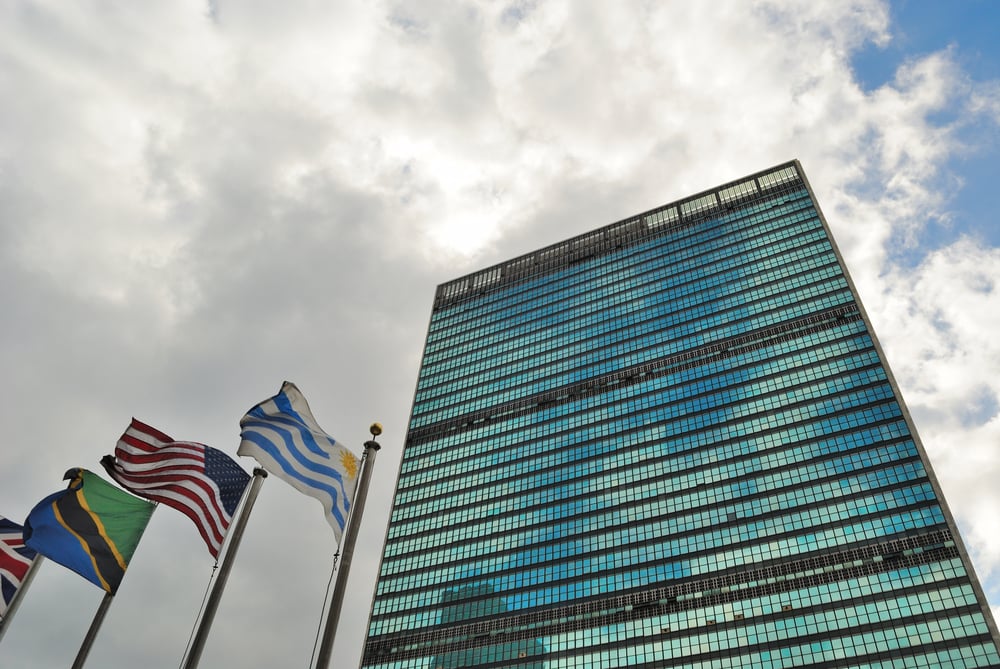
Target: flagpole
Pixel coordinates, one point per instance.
(198, 644)
(18, 594)
(102, 610)
(95, 626)
(347, 551)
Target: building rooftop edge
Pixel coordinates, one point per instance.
(616, 234)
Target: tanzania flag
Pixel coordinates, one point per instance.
(92, 528)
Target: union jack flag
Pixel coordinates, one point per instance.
(15, 560)
(201, 482)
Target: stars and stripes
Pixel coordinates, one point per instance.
(286, 440)
(201, 482)
(15, 560)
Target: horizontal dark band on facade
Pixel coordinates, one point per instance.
(761, 494)
(642, 372)
(467, 586)
(669, 473)
(803, 242)
(713, 657)
(407, 485)
(907, 551)
(868, 659)
(755, 188)
(578, 326)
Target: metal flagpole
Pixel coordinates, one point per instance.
(198, 644)
(16, 601)
(347, 551)
(95, 625)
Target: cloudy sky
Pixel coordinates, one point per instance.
(201, 200)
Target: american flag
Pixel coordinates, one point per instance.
(15, 560)
(201, 482)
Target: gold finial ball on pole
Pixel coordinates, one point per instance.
(375, 429)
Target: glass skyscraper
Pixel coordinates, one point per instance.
(670, 442)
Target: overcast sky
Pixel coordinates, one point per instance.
(201, 200)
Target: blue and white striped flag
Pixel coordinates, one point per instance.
(282, 435)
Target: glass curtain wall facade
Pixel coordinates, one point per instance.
(670, 442)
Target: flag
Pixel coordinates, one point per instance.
(201, 482)
(15, 560)
(92, 528)
(285, 439)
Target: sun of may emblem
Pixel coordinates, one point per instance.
(350, 463)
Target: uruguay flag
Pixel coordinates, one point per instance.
(282, 435)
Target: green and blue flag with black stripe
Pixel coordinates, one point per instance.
(92, 528)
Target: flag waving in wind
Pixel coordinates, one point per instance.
(282, 435)
(201, 482)
(15, 560)
(92, 528)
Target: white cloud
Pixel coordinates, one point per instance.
(939, 324)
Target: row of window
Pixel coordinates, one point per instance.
(631, 295)
(693, 337)
(614, 334)
(825, 620)
(625, 504)
(805, 349)
(505, 508)
(833, 375)
(544, 586)
(646, 517)
(605, 266)
(563, 445)
(531, 295)
(967, 654)
(534, 469)
(619, 323)
(528, 268)
(763, 457)
(869, 588)
(578, 556)
(835, 650)
(757, 415)
(485, 377)
(456, 611)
